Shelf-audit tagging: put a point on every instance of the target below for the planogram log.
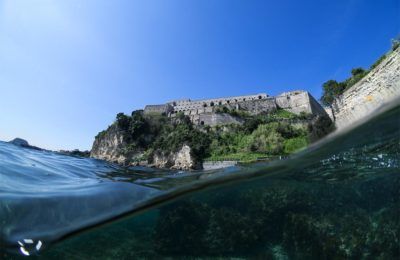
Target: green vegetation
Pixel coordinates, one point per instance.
(333, 89)
(251, 220)
(259, 137)
(158, 132)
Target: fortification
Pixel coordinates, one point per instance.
(203, 112)
(380, 86)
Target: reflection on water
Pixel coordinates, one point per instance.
(335, 201)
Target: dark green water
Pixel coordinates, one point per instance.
(337, 200)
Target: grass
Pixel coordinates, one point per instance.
(243, 157)
(295, 144)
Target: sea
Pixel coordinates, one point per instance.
(337, 199)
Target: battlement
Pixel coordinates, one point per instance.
(188, 104)
(198, 110)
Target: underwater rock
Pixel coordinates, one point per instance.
(297, 219)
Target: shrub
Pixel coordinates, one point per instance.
(122, 121)
(266, 139)
(320, 127)
(373, 66)
(331, 90)
(294, 144)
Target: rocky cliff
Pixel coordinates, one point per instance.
(181, 160)
(379, 86)
(110, 145)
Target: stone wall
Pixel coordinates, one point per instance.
(210, 165)
(189, 105)
(295, 102)
(214, 119)
(299, 101)
(380, 86)
(160, 109)
(203, 112)
(258, 106)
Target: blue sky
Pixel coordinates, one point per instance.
(67, 67)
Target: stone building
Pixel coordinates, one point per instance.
(159, 109)
(203, 112)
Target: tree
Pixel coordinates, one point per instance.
(331, 90)
(122, 121)
(357, 71)
(138, 124)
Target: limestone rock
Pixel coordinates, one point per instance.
(181, 160)
(111, 146)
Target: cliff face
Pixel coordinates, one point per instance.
(109, 145)
(181, 160)
(380, 86)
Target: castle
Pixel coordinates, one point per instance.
(203, 112)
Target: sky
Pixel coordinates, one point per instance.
(67, 67)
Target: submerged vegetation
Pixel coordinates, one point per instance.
(296, 218)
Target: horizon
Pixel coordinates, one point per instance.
(68, 67)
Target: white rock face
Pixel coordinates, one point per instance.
(181, 160)
(110, 147)
(379, 87)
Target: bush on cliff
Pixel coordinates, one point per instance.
(173, 136)
(257, 138)
(333, 89)
(260, 135)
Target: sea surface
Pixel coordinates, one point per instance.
(338, 199)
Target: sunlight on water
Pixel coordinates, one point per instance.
(340, 199)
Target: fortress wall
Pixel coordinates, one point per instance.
(295, 102)
(258, 106)
(158, 109)
(316, 108)
(184, 105)
(380, 86)
(329, 111)
(216, 119)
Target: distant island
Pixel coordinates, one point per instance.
(23, 143)
(182, 134)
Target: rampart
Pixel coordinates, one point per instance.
(203, 112)
(379, 86)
